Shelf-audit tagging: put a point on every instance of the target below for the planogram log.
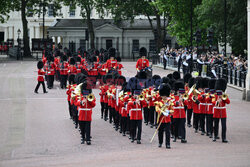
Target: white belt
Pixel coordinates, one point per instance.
(40, 75)
(84, 109)
(178, 107)
(94, 69)
(219, 107)
(209, 104)
(134, 109)
(203, 103)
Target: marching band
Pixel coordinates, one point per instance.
(163, 103)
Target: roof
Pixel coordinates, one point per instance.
(81, 23)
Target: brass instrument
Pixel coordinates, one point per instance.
(224, 96)
(141, 97)
(91, 97)
(77, 91)
(185, 96)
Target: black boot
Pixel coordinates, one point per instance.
(183, 141)
(224, 141)
(138, 141)
(88, 142)
(159, 145)
(168, 146)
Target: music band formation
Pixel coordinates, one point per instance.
(163, 103)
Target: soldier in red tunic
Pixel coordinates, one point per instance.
(220, 111)
(119, 65)
(40, 77)
(70, 89)
(50, 71)
(164, 109)
(85, 105)
(63, 71)
(143, 62)
(72, 68)
(112, 62)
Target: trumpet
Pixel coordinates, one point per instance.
(91, 97)
(141, 97)
(224, 96)
(185, 96)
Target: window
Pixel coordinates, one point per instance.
(51, 10)
(72, 11)
(152, 46)
(135, 46)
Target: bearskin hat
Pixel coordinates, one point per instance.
(40, 64)
(211, 83)
(64, 58)
(97, 52)
(118, 59)
(93, 59)
(86, 86)
(170, 76)
(191, 82)
(50, 58)
(221, 84)
(157, 81)
(72, 79)
(198, 82)
(72, 61)
(78, 59)
(165, 80)
(205, 82)
(112, 52)
(165, 90)
(149, 82)
(80, 78)
(143, 52)
(109, 78)
(176, 75)
(178, 85)
(171, 83)
(186, 77)
(133, 84)
(120, 80)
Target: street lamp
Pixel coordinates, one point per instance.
(18, 43)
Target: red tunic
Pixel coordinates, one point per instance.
(142, 63)
(72, 69)
(179, 111)
(64, 68)
(134, 110)
(119, 66)
(111, 64)
(220, 111)
(50, 68)
(85, 110)
(40, 77)
(210, 106)
(163, 118)
(203, 104)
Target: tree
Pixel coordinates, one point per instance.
(25, 6)
(211, 14)
(127, 10)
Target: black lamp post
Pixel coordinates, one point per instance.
(18, 44)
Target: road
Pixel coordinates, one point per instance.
(36, 131)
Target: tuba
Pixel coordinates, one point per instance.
(90, 97)
(141, 97)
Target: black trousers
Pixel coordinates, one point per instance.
(172, 125)
(50, 81)
(58, 75)
(102, 109)
(63, 82)
(209, 123)
(202, 122)
(110, 114)
(223, 127)
(179, 126)
(123, 124)
(196, 121)
(116, 118)
(85, 129)
(164, 127)
(164, 63)
(38, 85)
(145, 114)
(106, 110)
(156, 116)
(151, 114)
(189, 115)
(128, 124)
(70, 109)
(136, 128)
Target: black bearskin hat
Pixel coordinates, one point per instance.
(178, 85)
(112, 52)
(191, 82)
(40, 64)
(205, 82)
(198, 82)
(86, 86)
(118, 59)
(149, 82)
(142, 75)
(186, 77)
(156, 80)
(165, 90)
(133, 84)
(165, 80)
(170, 76)
(72, 61)
(176, 75)
(93, 59)
(109, 78)
(50, 58)
(78, 59)
(221, 84)
(64, 58)
(72, 79)
(171, 83)
(143, 52)
(120, 80)
(80, 78)
(211, 83)
(97, 52)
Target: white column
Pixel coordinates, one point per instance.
(37, 32)
(248, 52)
(6, 33)
(32, 34)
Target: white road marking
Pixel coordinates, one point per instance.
(39, 98)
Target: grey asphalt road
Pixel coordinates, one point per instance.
(36, 131)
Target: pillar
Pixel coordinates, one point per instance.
(6, 33)
(248, 52)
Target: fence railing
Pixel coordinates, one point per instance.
(234, 76)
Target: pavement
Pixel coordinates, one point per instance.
(36, 131)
